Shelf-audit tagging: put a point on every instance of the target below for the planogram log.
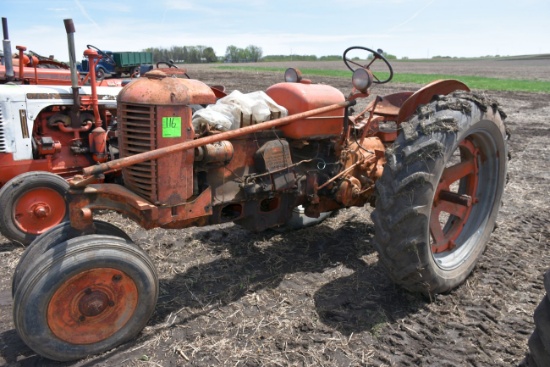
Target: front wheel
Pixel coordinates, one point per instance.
(51, 239)
(96, 294)
(440, 192)
(100, 74)
(32, 203)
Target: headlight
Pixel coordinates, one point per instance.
(293, 75)
(362, 79)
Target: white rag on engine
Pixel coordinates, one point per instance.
(238, 110)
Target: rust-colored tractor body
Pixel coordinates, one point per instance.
(432, 162)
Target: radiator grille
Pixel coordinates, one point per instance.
(138, 135)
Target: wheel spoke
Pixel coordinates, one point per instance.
(458, 171)
(457, 207)
(456, 210)
(354, 63)
(451, 208)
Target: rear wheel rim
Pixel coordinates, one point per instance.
(38, 210)
(463, 200)
(92, 305)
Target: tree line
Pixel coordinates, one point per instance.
(204, 54)
(181, 54)
(252, 53)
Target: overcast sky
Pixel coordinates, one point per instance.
(411, 28)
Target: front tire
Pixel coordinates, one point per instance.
(440, 192)
(100, 74)
(52, 238)
(98, 293)
(32, 203)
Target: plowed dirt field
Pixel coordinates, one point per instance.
(318, 296)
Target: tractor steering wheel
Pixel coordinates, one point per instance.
(102, 53)
(376, 55)
(40, 57)
(168, 63)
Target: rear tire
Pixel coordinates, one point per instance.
(98, 293)
(539, 342)
(440, 192)
(32, 203)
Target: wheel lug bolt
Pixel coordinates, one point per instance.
(117, 278)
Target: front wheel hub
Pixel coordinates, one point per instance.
(93, 303)
(92, 306)
(38, 210)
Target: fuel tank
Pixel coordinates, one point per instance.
(299, 97)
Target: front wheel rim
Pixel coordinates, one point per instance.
(92, 305)
(38, 210)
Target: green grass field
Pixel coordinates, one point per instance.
(474, 82)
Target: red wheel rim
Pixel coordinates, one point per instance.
(92, 305)
(454, 198)
(38, 210)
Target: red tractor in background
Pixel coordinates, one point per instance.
(35, 69)
(432, 163)
(52, 124)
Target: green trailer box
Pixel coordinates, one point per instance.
(125, 59)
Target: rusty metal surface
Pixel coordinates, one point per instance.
(92, 305)
(166, 180)
(363, 165)
(97, 141)
(390, 104)
(425, 95)
(219, 152)
(298, 98)
(274, 155)
(120, 199)
(228, 135)
(158, 89)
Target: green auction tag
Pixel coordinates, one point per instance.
(171, 127)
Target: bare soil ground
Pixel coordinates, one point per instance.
(317, 296)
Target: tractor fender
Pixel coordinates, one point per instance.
(425, 94)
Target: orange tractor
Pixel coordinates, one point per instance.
(431, 162)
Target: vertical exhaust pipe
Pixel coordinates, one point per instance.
(75, 113)
(6, 44)
(98, 137)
